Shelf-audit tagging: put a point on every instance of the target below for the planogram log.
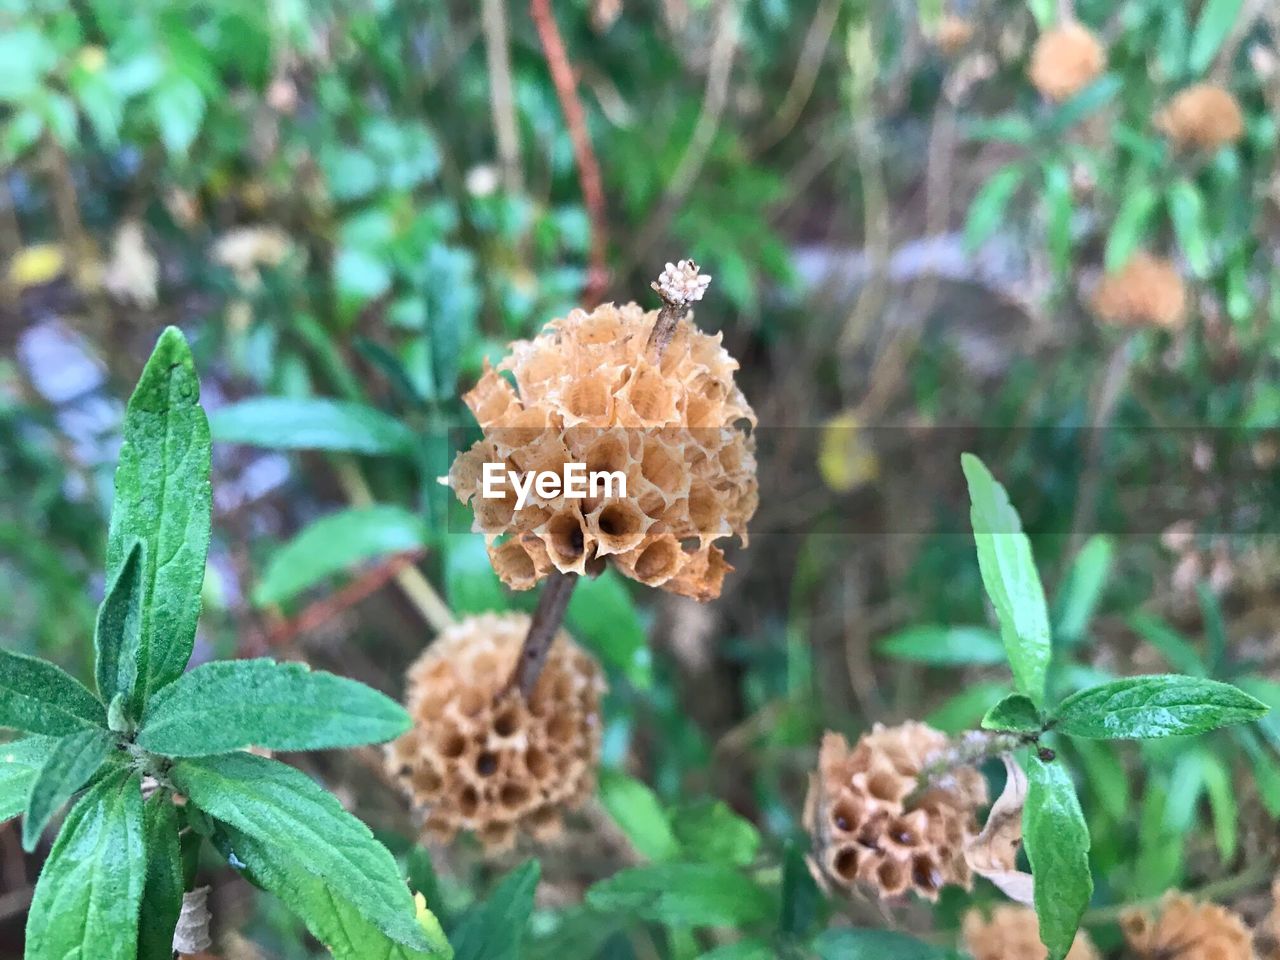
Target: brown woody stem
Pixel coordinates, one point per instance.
(664, 328)
(971, 750)
(552, 605)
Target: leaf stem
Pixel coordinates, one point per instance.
(972, 749)
(1255, 875)
(546, 621)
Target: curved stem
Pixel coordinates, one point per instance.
(552, 605)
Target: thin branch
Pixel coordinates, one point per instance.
(566, 84)
(506, 131)
(802, 82)
(1251, 877)
(544, 626)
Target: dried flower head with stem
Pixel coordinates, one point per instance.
(1204, 116)
(1148, 291)
(1187, 930)
(1065, 61)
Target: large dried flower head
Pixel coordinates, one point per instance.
(1186, 930)
(1065, 61)
(1146, 291)
(482, 758)
(1201, 117)
(1013, 933)
(589, 390)
(872, 824)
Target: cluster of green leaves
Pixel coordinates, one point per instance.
(113, 884)
(1133, 708)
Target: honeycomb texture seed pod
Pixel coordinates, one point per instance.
(1065, 61)
(482, 759)
(1148, 291)
(871, 826)
(591, 390)
(1188, 931)
(1013, 933)
(1201, 117)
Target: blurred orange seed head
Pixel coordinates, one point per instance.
(1065, 61)
(1188, 931)
(1013, 933)
(1203, 117)
(1146, 291)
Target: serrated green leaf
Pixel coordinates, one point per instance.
(334, 544)
(1144, 708)
(163, 499)
(1011, 580)
(117, 635)
(1016, 714)
(637, 810)
(70, 764)
(287, 423)
(496, 929)
(988, 207)
(1130, 226)
(270, 801)
(233, 704)
(943, 646)
(332, 919)
(1057, 844)
(20, 763)
(684, 895)
(1217, 17)
(165, 882)
(873, 945)
(1186, 210)
(39, 697)
(1082, 589)
(709, 832)
(87, 898)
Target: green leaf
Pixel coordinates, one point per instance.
(1016, 714)
(1144, 708)
(178, 107)
(684, 894)
(1082, 589)
(1269, 693)
(313, 424)
(1215, 628)
(1265, 768)
(162, 892)
(873, 945)
(469, 580)
(1130, 226)
(332, 918)
(710, 832)
(988, 207)
(117, 636)
(233, 704)
(70, 764)
(496, 929)
(273, 803)
(1217, 17)
(1175, 648)
(637, 810)
(1186, 210)
(335, 543)
(1010, 577)
(1105, 775)
(1222, 805)
(1058, 200)
(962, 711)
(38, 697)
(1089, 100)
(163, 499)
(20, 763)
(743, 950)
(603, 616)
(87, 898)
(944, 646)
(802, 902)
(1057, 843)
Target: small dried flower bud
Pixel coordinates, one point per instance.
(680, 283)
(1013, 933)
(1146, 291)
(1065, 61)
(1187, 930)
(481, 757)
(872, 826)
(1201, 117)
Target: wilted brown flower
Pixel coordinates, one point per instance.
(589, 390)
(1186, 930)
(482, 758)
(870, 827)
(1013, 933)
(1203, 117)
(1065, 61)
(1146, 291)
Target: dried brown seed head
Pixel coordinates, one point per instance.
(872, 827)
(480, 757)
(1188, 931)
(1013, 933)
(1146, 291)
(1065, 61)
(1201, 117)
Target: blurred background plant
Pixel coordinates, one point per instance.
(929, 229)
